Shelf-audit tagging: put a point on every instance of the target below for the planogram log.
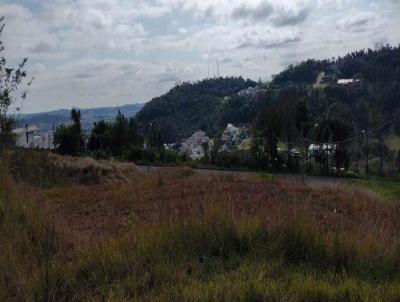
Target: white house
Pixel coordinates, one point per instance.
(232, 137)
(250, 91)
(43, 141)
(316, 149)
(349, 82)
(194, 145)
(29, 137)
(24, 137)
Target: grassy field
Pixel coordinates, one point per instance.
(173, 235)
(388, 189)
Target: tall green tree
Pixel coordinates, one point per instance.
(267, 129)
(119, 134)
(115, 137)
(333, 128)
(69, 139)
(100, 136)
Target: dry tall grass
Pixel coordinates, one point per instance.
(177, 236)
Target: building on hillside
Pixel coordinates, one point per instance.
(24, 137)
(232, 138)
(44, 141)
(349, 82)
(196, 145)
(315, 150)
(250, 91)
(171, 147)
(29, 137)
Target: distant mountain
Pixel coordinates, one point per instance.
(207, 105)
(45, 120)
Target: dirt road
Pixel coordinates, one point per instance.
(309, 180)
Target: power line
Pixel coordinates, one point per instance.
(364, 134)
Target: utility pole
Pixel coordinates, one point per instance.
(302, 152)
(367, 153)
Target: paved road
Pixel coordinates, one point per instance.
(309, 180)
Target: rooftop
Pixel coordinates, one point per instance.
(347, 81)
(29, 129)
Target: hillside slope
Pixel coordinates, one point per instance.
(379, 65)
(192, 106)
(210, 104)
(374, 102)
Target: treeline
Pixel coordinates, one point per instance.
(302, 73)
(348, 127)
(290, 121)
(379, 65)
(119, 139)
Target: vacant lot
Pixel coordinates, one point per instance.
(177, 235)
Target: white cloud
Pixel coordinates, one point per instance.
(182, 30)
(357, 21)
(104, 52)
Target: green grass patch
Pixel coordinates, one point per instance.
(261, 176)
(222, 261)
(388, 189)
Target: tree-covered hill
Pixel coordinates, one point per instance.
(376, 101)
(382, 64)
(210, 104)
(203, 105)
(360, 116)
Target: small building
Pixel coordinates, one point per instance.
(232, 138)
(171, 147)
(29, 137)
(317, 149)
(250, 91)
(24, 137)
(194, 146)
(349, 82)
(43, 141)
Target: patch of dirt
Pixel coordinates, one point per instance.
(87, 171)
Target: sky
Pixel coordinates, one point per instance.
(94, 53)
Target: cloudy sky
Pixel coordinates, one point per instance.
(91, 53)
